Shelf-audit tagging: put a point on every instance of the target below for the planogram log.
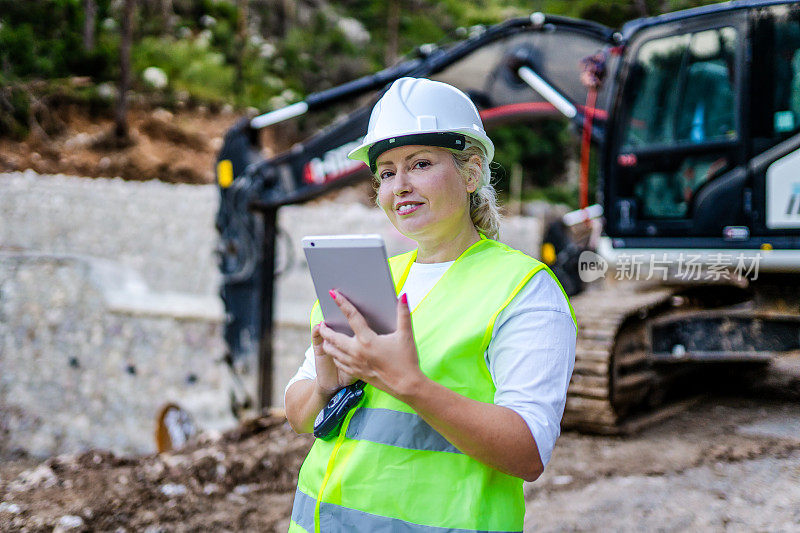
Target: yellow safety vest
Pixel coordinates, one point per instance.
(388, 470)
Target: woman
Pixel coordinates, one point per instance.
(465, 399)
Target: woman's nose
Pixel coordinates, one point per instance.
(401, 183)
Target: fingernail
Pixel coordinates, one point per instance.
(332, 293)
(404, 298)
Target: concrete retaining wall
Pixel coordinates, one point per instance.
(86, 364)
(109, 306)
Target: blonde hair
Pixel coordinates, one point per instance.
(483, 210)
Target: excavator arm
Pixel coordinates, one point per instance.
(519, 70)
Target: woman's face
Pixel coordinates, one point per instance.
(422, 192)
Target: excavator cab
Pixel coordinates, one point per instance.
(705, 114)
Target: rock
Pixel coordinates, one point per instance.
(353, 30)
(163, 115)
(68, 523)
(7, 507)
(237, 499)
(79, 140)
(155, 77)
(242, 489)
(174, 461)
(562, 480)
(40, 477)
(107, 91)
(267, 50)
(204, 38)
(171, 490)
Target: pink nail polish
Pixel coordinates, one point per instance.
(332, 293)
(404, 298)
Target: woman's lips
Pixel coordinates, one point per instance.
(407, 208)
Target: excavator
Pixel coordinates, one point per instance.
(695, 120)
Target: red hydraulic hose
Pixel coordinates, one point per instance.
(586, 146)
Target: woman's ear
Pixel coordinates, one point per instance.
(475, 172)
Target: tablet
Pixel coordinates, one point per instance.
(357, 267)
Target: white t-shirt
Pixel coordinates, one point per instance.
(530, 356)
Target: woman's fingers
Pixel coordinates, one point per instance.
(327, 374)
(356, 320)
(347, 370)
(340, 340)
(404, 315)
(316, 339)
(344, 363)
(335, 351)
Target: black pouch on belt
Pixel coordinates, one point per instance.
(329, 420)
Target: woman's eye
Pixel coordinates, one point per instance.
(386, 174)
(422, 164)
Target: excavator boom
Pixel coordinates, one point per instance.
(696, 118)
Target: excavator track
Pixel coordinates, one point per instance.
(612, 374)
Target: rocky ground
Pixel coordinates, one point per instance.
(731, 462)
(242, 480)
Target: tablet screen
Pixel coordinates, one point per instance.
(357, 267)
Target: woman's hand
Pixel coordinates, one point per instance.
(329, 378)
(305, 398)
(388, 362)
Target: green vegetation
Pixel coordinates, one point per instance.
(271, 54)
(191, 65)
(541, 149)
(41, 39)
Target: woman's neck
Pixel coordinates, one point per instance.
(439, 250)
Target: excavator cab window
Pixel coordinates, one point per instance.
(679, 126)
(774, 116)
(775, 111)
(685, 90)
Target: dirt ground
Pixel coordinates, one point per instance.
(240, 481)
(176, 147)
(730, 462)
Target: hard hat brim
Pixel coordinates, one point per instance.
(361, 153)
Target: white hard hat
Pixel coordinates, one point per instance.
(425, 112)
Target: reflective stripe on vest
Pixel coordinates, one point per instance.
(404, 430)
(337, 519)
(390, 465)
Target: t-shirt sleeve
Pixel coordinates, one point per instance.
(531, 357)
(308, 370)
